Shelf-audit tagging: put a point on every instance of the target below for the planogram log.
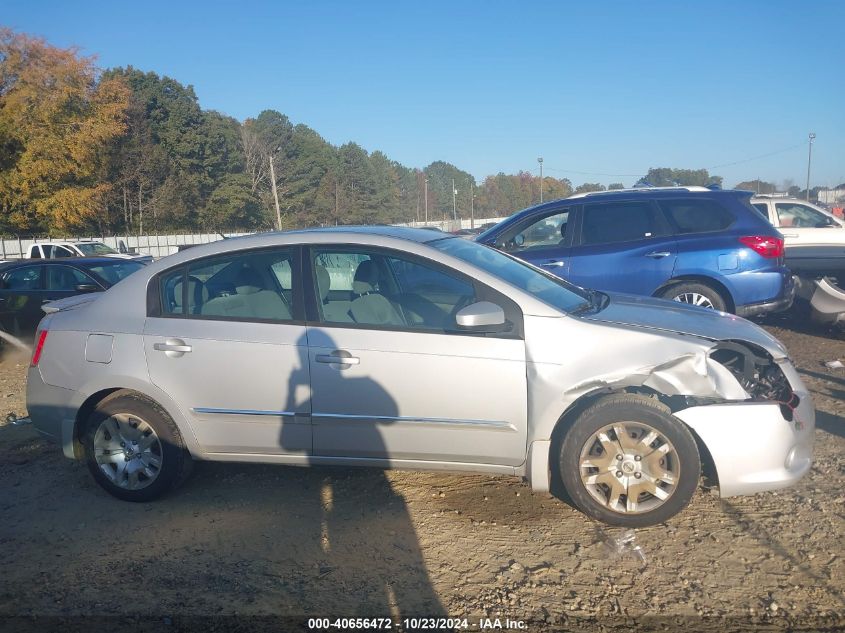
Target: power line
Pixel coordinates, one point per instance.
(736, 162)
(748, 160)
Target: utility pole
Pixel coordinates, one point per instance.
(336, 204)
(471, 205)
(540, 160)
(426, 200)
(454, 201)
(275, 193)
(809, 160)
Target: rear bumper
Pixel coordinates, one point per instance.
(50, 410)
(753, 446)
(784, 302)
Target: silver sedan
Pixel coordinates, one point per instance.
(402, 348)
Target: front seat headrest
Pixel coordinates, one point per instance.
(324, 281)
(366, 278)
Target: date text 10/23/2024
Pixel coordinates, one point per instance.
(416, 624)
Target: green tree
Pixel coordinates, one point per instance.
(587, 187)
(671, 177)
(614, 186)
(758, 186)
(440, 175)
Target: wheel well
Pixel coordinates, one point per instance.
(716, 285)
(559, 432)
(708, 464)
(85, 411)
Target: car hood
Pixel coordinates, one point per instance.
(672, 316)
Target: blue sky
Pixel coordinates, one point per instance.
(597, 87)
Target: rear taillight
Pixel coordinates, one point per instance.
(764, 245)
(39, 347)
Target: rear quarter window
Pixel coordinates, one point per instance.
(697, 216)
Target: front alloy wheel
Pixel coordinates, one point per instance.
(627, 461)
(629, 467)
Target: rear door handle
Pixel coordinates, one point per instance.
(553, 263)
(173, 348)
(658, 254)
(338, 357)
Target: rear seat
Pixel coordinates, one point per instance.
(250, 301)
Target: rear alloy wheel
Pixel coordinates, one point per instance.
(133, 449)
(696, 294)
(626, 461)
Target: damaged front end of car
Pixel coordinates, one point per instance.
(751, 414)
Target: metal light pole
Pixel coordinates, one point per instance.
(540, 160)
(454, 201)
(275, 193)
(809, 160)
(471, 205)
(426, 200)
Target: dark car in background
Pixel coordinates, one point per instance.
(695, 245)
(26, 285)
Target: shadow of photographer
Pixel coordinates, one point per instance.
(364, 542)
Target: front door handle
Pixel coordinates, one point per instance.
(173, 348)
(553, 263)
(658, 254)
(338, 357)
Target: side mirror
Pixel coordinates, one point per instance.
(482, 316)
(86, 288)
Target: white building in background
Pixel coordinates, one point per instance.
(829, 196)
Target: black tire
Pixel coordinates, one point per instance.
(632, 410)
(690, 288)
(175, 460)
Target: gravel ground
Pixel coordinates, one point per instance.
(247, 540)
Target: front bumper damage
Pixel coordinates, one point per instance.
(751, 412)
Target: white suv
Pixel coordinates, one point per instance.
(801, 223)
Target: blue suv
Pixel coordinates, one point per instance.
(690, 244)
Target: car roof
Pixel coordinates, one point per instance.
(72, 242)
(400, 232)
(616, 192)
(628, 195)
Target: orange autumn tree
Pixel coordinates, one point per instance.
(58, 119)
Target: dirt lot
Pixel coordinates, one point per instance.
(254, 540)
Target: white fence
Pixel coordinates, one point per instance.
(163, 245)
(155, 245)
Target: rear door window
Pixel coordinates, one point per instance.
(244, 286)
(697, 216)
(65, 278)
(612, 222)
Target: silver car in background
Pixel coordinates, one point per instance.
(403, 348)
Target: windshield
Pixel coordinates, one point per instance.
(549, 289)
(114, 272)
(95, 248)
